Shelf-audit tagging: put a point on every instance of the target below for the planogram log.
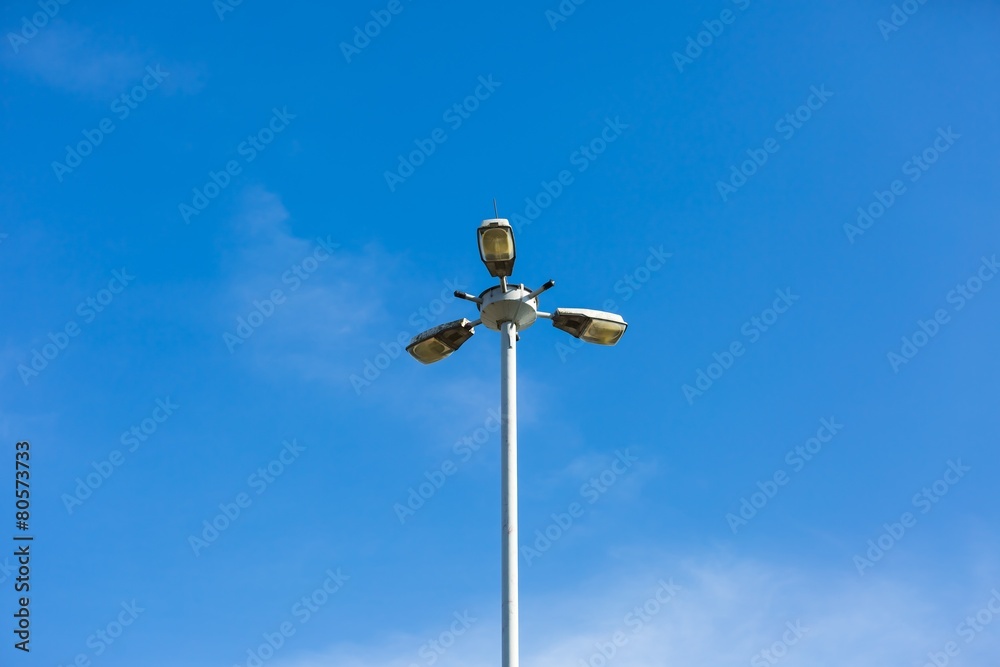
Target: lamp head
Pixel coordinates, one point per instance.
(496, 246)
(437, 343)
(592, 326)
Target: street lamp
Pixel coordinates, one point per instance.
(510, 309)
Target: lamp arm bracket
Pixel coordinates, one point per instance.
(468, 297)
(544, 288)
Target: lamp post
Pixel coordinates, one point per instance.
(510, 309)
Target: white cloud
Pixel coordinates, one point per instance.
(327, 301)
(725, 614)
(74, 59)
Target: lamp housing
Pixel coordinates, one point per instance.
(592, 326)
(496, 246)
(437, 343)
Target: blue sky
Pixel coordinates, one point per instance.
(218, 221)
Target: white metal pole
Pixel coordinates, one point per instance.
(508, 491)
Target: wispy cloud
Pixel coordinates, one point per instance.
(329, 293)
(75, 59)
(724, 614)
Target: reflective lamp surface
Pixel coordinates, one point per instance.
(592, 326)
(602, 332)
(430, 350)
(498, 245)
(454, 336)
(437, 343)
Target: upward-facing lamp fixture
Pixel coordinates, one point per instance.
(510, 309)
(496, 247)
